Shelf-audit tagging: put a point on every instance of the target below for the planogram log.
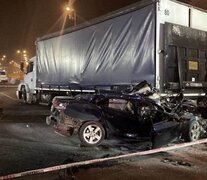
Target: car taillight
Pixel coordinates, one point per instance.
(56, 103)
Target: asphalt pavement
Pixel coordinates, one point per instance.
(27, 143)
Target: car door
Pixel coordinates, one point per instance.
(166, 128)
(118, 118)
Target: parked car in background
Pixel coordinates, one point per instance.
(3, 76)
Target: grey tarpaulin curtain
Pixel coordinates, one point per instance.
(116, 51)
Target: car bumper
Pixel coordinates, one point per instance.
(67, 125)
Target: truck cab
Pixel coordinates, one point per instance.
(26, 89)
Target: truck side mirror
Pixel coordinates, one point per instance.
(22, 66)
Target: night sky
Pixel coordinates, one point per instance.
(22, 21)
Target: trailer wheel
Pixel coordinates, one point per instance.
(91, 133)
(192, 131)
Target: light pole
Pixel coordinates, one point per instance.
(23, 57)
(3, 58)
(71, 14)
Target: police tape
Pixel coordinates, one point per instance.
(94, 161)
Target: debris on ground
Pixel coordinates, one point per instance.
(176, 162)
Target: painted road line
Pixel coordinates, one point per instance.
(3, 94)
(8, 86)
(94, 161)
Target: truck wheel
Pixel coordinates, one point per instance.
(91, 134)
(24, 94)
(192, 131)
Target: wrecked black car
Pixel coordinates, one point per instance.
(107, 115)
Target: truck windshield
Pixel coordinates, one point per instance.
(30, 67)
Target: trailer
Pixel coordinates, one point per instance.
(162, 42)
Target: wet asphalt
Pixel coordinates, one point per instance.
(27, 143)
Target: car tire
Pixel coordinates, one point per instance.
(192, 131)
(91, 134)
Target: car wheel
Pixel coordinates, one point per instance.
(91, 134)
(192, 131)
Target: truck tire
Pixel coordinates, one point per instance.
(91, 134)
(24, 94)
(192, 131)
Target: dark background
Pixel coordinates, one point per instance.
(22, 21)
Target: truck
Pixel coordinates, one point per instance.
(3, 76)
(163, 42)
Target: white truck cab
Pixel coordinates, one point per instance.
(26, 89)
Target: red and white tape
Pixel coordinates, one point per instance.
(93, 161)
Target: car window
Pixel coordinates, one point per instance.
(30, 67)
(119, 104)
(83, 111)
(100, 101)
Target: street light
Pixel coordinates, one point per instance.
(24, 59)
(23, 54)
(71, 14)
(3, 63)
(21, 51)
(3, 57)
